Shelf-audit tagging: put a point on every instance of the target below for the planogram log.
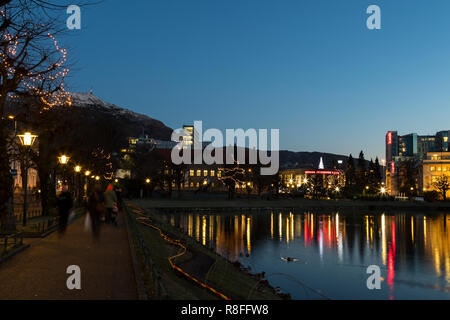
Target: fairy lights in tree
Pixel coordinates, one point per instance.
(32, 64)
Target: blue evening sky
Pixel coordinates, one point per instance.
(310, 68)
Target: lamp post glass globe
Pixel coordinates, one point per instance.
(27, 139)
(63, 159)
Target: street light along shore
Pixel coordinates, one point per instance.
(27, 140)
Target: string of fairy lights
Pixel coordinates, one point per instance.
(34, 74)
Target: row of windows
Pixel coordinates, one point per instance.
(212, 173)
(440, 168)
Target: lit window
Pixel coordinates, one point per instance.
(205, 173)
(213, 173)
(191, 173)
(432, 169)
(192, 184)
(445, 139)
(212, 184)
(199, 173)
(219, 174)
(198, 184)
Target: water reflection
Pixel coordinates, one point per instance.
(412, 250)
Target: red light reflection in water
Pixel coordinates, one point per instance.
(391, 262)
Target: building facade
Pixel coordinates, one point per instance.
(405, 157)
(434, 167)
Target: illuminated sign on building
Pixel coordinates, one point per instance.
(389, 138)
(322, 172)
(392, 167)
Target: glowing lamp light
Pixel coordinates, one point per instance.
(87, 173)
(77, 169)
(337, 189)
(147, 180)
(27, 139)
(63, 159)
(116, 180)
(97, 178)
(383, 190)
(11, 117)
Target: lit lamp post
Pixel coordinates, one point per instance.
(63, 160)
(27, 140)
(87, 173)
(78, 182)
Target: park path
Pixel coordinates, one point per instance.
(39, 272)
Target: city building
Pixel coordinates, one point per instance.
(434, 166)
(404, 158)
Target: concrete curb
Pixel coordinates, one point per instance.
(142, 294)
(13, 253)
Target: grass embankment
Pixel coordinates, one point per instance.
(220, 274)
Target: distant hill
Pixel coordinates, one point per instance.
(132, 124)
(293, 160)
(102, 122)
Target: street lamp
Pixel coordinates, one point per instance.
(27, 140)
(63, 160)
(78, 182)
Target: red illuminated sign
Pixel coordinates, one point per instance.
(392, 167)
(322, 172)
(389, 138)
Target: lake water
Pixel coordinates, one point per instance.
(333, 251)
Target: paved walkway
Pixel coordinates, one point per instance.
(40, 271)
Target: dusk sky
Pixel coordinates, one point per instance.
(309, 68)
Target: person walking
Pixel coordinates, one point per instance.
(64, 203)
(110, 202)
(96, 209)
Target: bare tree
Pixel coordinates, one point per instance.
(32, 65)
(442, 184)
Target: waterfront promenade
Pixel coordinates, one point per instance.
(40, 271)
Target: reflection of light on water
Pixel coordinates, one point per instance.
(280, 222)
(241, 238)
(425, 230)
(366, 218)
(320, 243)
(249, 246)
(437, 262)
(340, 245)
(271, 225)
(190, 224)
(329, 231)
(204, 230)
(383, 238)
(287, 230)
(431, 251)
